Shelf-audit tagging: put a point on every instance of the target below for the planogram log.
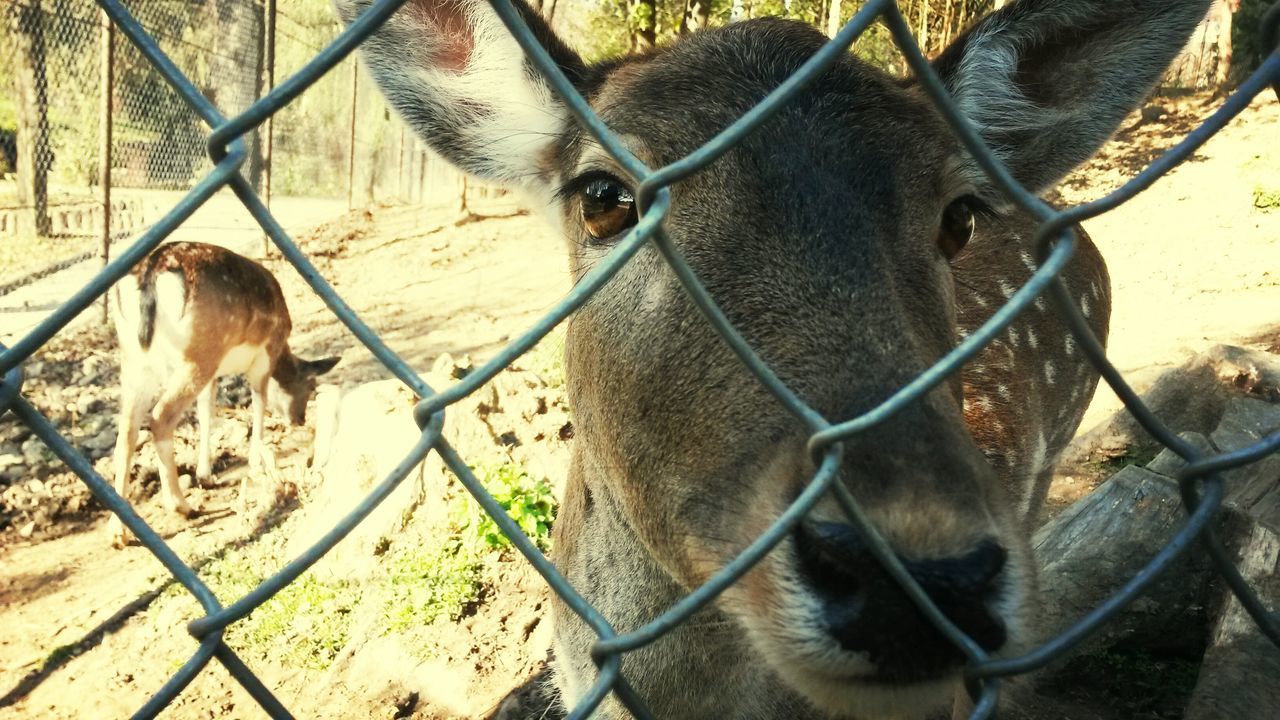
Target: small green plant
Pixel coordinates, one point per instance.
(423, 585)
(1265, 199)
(528, 501)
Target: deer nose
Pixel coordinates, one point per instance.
(867, 612)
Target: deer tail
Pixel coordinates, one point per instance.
(147, 303)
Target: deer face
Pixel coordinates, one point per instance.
(827, 237)
(291, 391)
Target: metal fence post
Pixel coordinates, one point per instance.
(351, 157)
(269, 32)
(106, 74)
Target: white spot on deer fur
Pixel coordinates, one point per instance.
(1003, 390)
(962, 333)
(1026, 260)
(1069, 345)
(1096, 289)
(1006, 289)
(1039, 454)
(1032, 339)
(1084, 305)
(1040, 304)
(978, 300)
(1049, 372)
(984, 402)
(1013, 337)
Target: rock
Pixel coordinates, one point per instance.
(1238, 675)
(325, 420)
(34, 451)
(93, 367)
(27, 530)
(9, 459)
(103, 442)
(1190, 398)
(88, 404)
(373, 433)
(35, 487)
(1093, 547)
(14, 473)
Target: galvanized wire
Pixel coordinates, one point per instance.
(1201, 483)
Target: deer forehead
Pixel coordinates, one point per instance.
(852, 126)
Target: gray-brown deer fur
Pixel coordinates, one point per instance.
(828, 236)
(188, 314)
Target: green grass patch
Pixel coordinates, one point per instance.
(427, 575)
(1266, 199)
(424, 586)
(304, 625)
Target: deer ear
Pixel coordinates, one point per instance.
(1047, 82)
(456, 75)
(319, 367)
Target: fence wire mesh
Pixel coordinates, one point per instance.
(338, 142)
(230, 152)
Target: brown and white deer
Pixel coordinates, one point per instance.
(188, 314)
(852, 241)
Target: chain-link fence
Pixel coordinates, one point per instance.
(95, 144)
(1201, 479)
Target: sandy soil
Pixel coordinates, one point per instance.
(1193, 263)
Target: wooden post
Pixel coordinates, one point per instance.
(270, 39)
(351, 158)
(106, 81)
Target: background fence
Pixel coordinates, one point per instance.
(95, 144)
(233, 152)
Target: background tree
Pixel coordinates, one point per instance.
(25, 24)
(642, 22)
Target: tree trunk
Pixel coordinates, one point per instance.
(922, 35)
(697, 14)
(833, 18)
(237, 53)
(1221, 13)
(31, 89)
(642, 17)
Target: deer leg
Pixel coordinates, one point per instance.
(132, 409)
(177, 397)
(204, 418)
(261, 459)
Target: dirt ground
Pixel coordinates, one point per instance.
(90, 632)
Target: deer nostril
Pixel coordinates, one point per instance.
(866, 611)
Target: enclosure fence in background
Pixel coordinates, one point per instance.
(1200, 480)
(95, 144)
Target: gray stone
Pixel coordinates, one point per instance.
(101, 443)
(14, 474)
(1168, 462)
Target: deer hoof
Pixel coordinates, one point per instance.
(118, 533)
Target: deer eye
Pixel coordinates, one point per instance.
(608, 207)
(956, 228)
